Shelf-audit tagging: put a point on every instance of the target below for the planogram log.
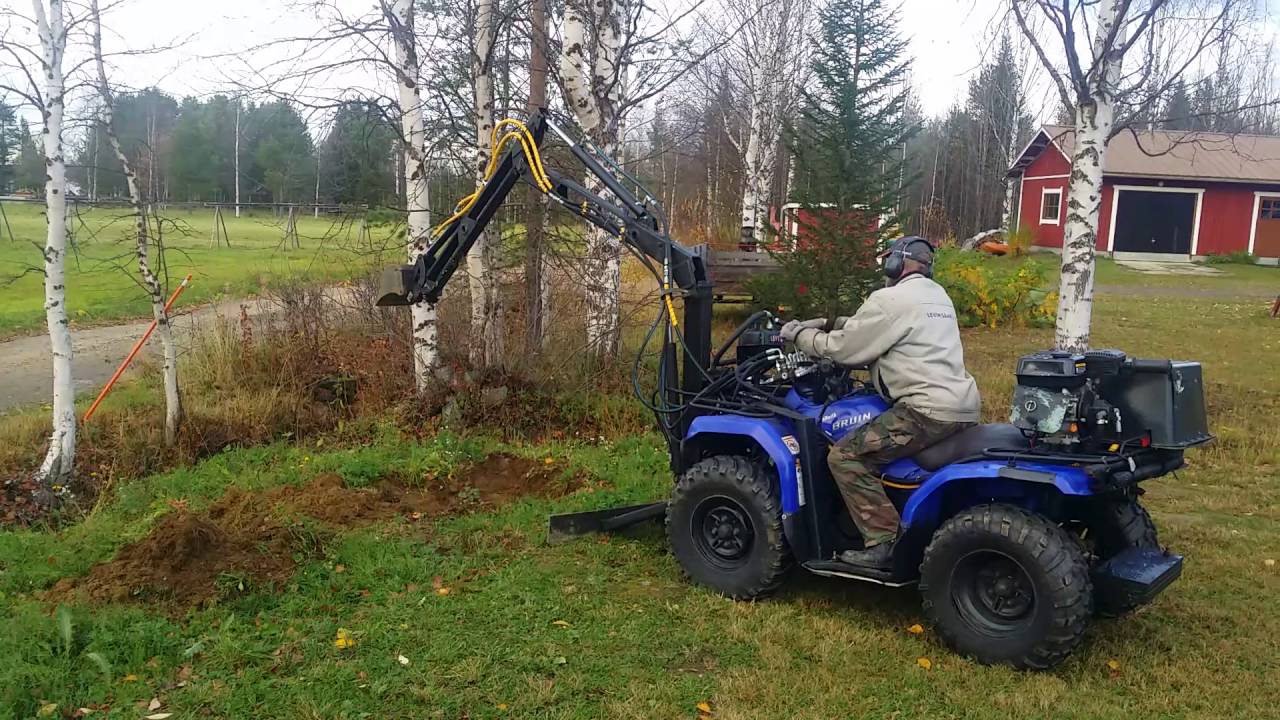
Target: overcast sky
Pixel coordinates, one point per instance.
(949, 39)
(946, 39)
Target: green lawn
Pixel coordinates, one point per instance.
(101, 272)
(606, 627)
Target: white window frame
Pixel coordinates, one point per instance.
(1045, 192)
(1195, 220)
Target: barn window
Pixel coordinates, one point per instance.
(1270, 209)
(1050, 206)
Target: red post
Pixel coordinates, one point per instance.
(134, 352)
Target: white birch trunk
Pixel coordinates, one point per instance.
(1094, 118)
(591, 71)
(172, 398)
(425, 341)
(237, 157)
(769, 57)
(59, 461)
(486, 331)
(1006, 214)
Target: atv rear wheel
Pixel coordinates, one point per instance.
(1116, 526)
(724, 523)
(1003, 585)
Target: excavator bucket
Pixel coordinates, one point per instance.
(393, 286)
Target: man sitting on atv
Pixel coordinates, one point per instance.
(907, 333)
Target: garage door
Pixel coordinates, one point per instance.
(1266, 241)
(1155, 222)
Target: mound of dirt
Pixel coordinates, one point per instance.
(185, 557)
(246, 537)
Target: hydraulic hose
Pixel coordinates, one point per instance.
(737, 333)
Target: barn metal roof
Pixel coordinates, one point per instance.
(1188, 155)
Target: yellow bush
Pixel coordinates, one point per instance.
(991, 294)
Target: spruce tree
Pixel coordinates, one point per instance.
(1177, 108)
(29, 173)
(847, 144)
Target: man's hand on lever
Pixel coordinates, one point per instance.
(793, 327)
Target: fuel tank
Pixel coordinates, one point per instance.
(840, 417)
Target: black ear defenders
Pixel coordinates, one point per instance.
(901, 249)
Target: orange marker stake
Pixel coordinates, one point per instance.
(134, 352)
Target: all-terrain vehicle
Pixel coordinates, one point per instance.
(1016, 534)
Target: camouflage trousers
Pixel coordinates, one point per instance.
(856, 461)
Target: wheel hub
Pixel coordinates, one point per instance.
(993, 593)
(722, 531)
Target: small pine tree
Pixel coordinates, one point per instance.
(847, 145)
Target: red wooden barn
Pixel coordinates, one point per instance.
(1165, 195)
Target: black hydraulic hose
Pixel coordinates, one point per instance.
(737, 333)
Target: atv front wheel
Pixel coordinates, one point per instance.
(1003, 585)
(724, 523)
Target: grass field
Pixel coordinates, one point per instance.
(100, 284)
(472, 615)
(475, 616)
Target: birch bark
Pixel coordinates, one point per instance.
(1094, 118)
(400, 16)
(769, 58)
(591, 71)
(59, 460)
(486, 331)
(172, 398)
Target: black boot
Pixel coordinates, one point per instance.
(879, 557)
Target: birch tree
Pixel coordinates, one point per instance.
(1083, 47)
(486, 329)
(767, 58)
(138, 205)
(39, 67)
(591, 73)
(399, 15)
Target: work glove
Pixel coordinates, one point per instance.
(793, 327)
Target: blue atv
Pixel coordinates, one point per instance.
(1017, 534)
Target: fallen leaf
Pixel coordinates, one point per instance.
(1113, 664)
(916, 629)
(1269, 562)
(704, 707)
(343, 639)
(560, 660)
(561, 623)
(924, 663)
(549, 461)
(502, 706)
(437, 582)
(339, 568)
(442, 591)
(415, 515)
(154, 704)
(402, 660)
(47, 710)
(129, 678)
(159, 716)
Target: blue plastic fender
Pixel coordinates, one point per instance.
(770, 434)
(987, 479)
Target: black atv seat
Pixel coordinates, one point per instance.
(970, 442)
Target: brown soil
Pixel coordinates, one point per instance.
(246, 539)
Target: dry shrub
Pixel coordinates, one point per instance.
(320, 357)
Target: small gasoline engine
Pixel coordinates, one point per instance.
(1102, 400)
